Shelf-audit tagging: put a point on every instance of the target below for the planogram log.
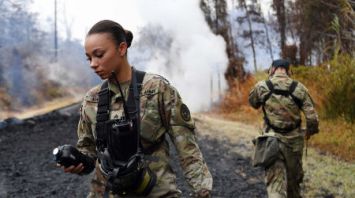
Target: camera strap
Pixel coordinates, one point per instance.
(133, 105)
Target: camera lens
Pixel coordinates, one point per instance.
(55, 151)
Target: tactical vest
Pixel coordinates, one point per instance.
(285, 93)
(119, 138)
(118, 143)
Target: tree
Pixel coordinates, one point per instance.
(323, 26)
(250, 33)
(269, 46)
(279, 6)
(215, 12)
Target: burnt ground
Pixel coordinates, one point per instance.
(28, 170)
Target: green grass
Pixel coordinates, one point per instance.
(327, 176)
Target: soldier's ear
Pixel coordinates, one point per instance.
(122, 48)
(289, 72)
(270, 71)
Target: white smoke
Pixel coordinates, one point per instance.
(194, 56)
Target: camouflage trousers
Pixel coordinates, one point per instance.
(284, 177)
(98, 184)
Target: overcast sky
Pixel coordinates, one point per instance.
(131, 14)
(80, 15)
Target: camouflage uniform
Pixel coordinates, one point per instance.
(162, 112)
(283, 178)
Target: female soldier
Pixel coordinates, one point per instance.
(161, 112)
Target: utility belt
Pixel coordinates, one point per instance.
(279, 129)
(120, 154)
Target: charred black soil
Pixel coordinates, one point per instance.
(28, 170)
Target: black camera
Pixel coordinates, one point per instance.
(67, 155)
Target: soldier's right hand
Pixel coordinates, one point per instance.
(308, 136)
(204, 193)
(309, 133)
(73, 169)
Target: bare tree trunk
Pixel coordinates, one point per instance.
(250, 34)
(290, 28)
(303, 50)
(279, 5)
(55, 33)
(268, 39)
(269, 46)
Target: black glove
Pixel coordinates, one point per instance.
(312, 128)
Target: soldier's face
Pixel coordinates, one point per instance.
(103, 54)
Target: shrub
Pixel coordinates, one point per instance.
(332, 86)
(237, 95)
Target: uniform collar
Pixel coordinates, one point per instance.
(279, 75)
(114, 87)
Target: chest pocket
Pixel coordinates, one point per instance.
(152, 130)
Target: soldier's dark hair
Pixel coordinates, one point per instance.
(118, 33)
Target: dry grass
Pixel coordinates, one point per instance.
(336, 137)
(44, 100)
(40, 109)
(5, 99)
(245, 114)
(237, 96)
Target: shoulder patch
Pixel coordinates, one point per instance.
(185, 113)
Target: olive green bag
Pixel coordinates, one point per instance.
(266, 151)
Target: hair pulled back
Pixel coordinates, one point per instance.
(116, 30)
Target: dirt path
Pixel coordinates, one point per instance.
(227, 148)
(27, 169)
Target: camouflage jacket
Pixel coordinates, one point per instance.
(282, 111)
(162, 112)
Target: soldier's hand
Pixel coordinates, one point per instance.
(74, 169)
(204, 193)
(308, 134)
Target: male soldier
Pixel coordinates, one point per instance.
(282, 100)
